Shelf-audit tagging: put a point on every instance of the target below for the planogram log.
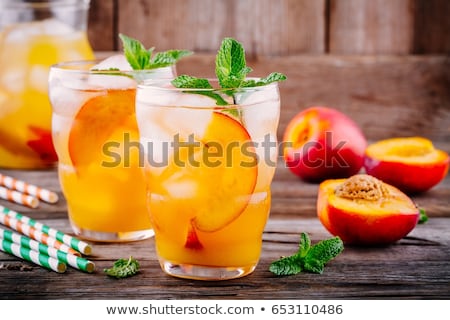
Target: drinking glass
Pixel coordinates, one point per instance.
(209, 169)
(96, 138)
(33, 36)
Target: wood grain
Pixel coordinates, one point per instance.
(277, 28)
(371, 27)
(264, 26)
(386, 95)
(432, 26)
(102, 31)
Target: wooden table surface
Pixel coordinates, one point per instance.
(415, 267)
(387, 96)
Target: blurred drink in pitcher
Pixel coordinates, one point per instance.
(33, 36)
(96, 137)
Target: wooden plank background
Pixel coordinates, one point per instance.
(277, 28)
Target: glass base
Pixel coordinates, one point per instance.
(100, 236)
(207, 273)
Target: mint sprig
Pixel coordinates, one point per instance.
(308, 258)
(123, 268)
(423, 217)
(141, 58)
(231, 72)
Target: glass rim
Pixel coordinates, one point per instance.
(45, 5)
(156, 84)
(70, 67)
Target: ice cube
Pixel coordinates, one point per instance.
(261, 111)
(117, 61)
(55, 27)
(112, 81)
(38, 78)
(12, 79)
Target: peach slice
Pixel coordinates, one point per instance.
(42, 143)
(411, 164)
(211, 182)
(98, 119)
(364, 210)
(232, 180)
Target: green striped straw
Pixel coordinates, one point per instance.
(72, 242)
(72, 260)
(32, 256)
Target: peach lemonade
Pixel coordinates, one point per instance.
(210, 155)
(95, 135)
(27, 50)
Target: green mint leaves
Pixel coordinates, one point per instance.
(231, 68)
(231, 71)
(422, 216)
(123, 268)
(141, 59)
(308, 258)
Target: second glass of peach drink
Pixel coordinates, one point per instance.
(96, 138)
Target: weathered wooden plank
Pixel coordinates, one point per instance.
(371, 27)
(415, 267)
(386, 95)
(265, 27)
(102, 25)
(432, 26)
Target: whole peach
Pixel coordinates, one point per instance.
(323, 143)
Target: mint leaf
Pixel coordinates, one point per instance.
(231, 68)
(123, 268)
(137, 56)
(185, 81)
(168, 58)
(305, 244)
(308, 258)
(286, 266)
(422, 216)
(231, 71)
(142, 59)
(273, 77)
(321, 253)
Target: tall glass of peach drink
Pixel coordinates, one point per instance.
(209, 170)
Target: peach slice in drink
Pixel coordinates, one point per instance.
(99, 119)
(219, 172)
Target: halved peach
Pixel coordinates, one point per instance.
(411, 164)
(364, 210)
(98, 119)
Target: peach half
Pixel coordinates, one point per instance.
(412, 164)
(363, 210)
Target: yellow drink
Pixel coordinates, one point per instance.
(100, 162)
(208, 170)
(27, 50)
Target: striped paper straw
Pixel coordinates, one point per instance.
(33, 256)
(24, 187)
(17, 197)
(72, 242)
(72, 260)
(35, 234)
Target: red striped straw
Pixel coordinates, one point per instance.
(35, 234)
(17, 197)
(30, 189)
